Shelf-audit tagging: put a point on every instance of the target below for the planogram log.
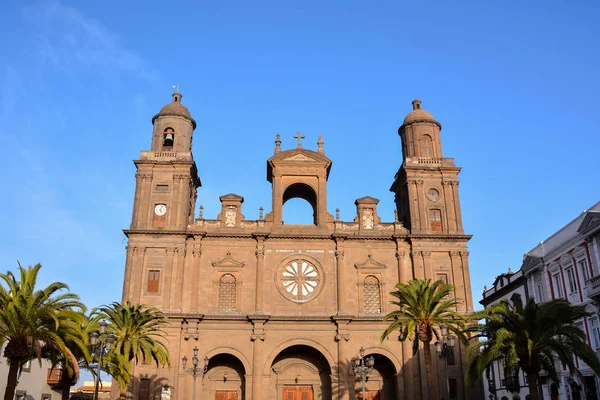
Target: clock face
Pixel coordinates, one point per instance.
(160, 209)
(433, 194)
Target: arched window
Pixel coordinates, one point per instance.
(227, 294)
(435, 220)
(168, 139)
(371, 295)
(426, 146)
(299, 205)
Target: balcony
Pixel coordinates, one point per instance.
(593, 288)
(54, 375)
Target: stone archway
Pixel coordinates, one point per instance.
(300, 372)
(225, 378)
(382, 384)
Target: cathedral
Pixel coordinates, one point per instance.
(277, 311)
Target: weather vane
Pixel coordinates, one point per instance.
(176, 87)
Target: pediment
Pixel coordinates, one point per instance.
(299, 157)
(590, 221)
(529, 262)
(366, 200)
(228, 264)
(231, 197)
(370, 264)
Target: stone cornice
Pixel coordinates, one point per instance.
(128, 232)
(438, 236)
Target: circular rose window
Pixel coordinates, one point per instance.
(299, 280)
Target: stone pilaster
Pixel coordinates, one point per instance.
(196, 274)
(450, 211)
(260, 267)
(339, 264)
(464, 256)
(127, 282)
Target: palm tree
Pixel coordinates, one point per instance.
(422, 307)
(33, 321)
(531, 338)
(139, 335)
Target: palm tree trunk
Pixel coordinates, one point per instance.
(532, 382)
(428, 368)
(66, 392)
(11, 382)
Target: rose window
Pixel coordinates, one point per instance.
(300, 280)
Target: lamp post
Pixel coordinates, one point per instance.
(445, 350)
(106, 342)
(363, 368)
(195, 370)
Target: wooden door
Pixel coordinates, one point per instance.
(226, 395)
(297, 393)
(369, 395)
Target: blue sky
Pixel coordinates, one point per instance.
(514, 84)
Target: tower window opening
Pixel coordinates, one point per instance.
(168, 139)
(426, 146)
(299, 205)
(435, 220)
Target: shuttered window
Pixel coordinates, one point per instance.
(153, 281)
(227, 294)
(372, 295)
(435, 220)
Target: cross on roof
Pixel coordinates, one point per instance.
(299, 136)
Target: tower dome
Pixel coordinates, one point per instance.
(418, 114)
(176, 109)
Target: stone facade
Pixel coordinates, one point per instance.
(280, 309)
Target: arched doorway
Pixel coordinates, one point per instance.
(382, 383)
(300, 373)
(225, 378)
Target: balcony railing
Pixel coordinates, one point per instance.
(54, 375)
(593, 287)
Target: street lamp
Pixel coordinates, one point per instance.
(363, 368)
(195, 370)
(106, 342)
(445, 350)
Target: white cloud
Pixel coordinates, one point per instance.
(69, 39)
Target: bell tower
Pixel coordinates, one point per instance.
(299, 173)
(426, 185)
(167, 177)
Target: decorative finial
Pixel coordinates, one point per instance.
(201, 214)
(320, 144)
(416, 103)
(299, 136)
(260, 213)
(337, 214)
(510, 270)
(396, 215)
(176, 96)
(277, 143)
(484, 288)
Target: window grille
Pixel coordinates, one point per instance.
(227, 294)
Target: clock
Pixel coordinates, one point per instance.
(160, 209)
(433, 194)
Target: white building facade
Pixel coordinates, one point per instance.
(566, 265)
(35, 380)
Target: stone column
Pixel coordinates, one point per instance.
(343, 387)
(459, 226)
(145, 213)
(258, 337)
(138, 272)
(139, 180)
(127, 279)
(196, 274)
(339, 264)
(418, 271)
(413, 206)
(178, 277)
(170, 251)
(464, 255)
(400, 259)
(458, 278)
(410, 368)
(277, 200)
(422, 210)
(449, 202)
(260, 266)
(427, 265)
